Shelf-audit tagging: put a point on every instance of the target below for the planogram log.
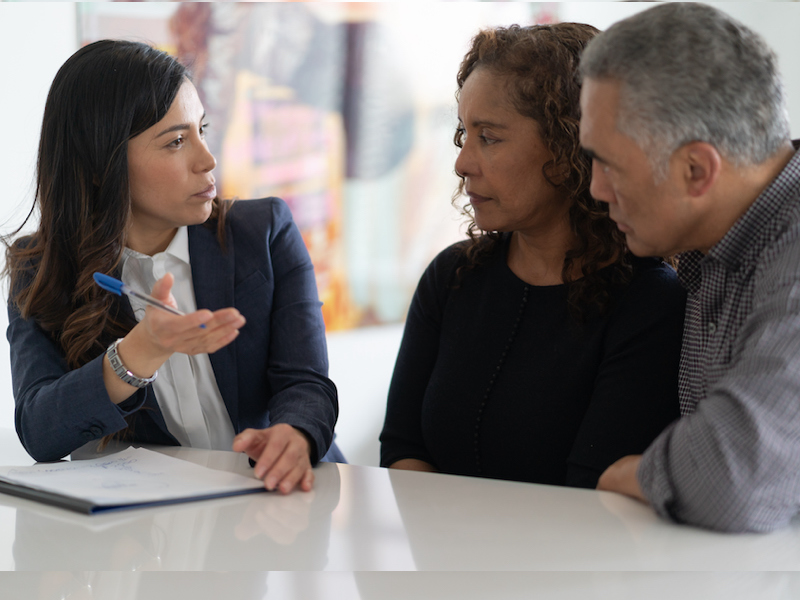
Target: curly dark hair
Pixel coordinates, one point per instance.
(541, 65)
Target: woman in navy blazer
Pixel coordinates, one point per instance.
(123, 166)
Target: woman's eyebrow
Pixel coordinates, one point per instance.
(179, 127)
(486, 123)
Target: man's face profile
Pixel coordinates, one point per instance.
(622, 176)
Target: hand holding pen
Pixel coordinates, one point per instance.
(220, 327)
(164, 332)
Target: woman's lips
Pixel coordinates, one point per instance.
(209, 193)
(477, 198)
(622, 227)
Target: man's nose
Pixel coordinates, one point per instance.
(601, 188)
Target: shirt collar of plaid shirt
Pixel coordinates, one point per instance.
(765, 218)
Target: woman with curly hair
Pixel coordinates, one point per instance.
(125, 187)
(539, 349)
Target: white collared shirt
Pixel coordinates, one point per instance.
(186, 389)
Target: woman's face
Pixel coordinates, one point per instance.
(169, 169)
(501, 161)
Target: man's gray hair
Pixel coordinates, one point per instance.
(689, 72)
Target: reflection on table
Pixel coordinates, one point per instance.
(371, 519)
(364, 585)
(250, 532)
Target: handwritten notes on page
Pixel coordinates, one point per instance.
(132, 478)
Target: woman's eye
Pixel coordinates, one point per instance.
(487, 140)
(203, 128)
(177, 143)
(458, 138)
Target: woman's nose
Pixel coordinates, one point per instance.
(206, 161)
(465, 162)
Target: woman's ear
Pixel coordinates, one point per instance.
(557, 173)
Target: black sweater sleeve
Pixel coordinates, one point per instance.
(635, 395)
(402, 430)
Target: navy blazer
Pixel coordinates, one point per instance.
(274, 372)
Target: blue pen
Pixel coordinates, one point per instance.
(115, 286)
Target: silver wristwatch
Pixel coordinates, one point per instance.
(122, 372)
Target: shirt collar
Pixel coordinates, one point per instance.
(178, 247)
(761, 222)
(742, 244)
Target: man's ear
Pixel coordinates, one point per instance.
(702, 167)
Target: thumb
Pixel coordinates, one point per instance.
(162, 288)
(243, 440)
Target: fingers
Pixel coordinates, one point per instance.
(248, 441)
(184, 334)
(621, 477)
(200, 332)
(282, 457)
(307, 482)
(221, 328)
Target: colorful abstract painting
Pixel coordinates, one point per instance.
(344, 110)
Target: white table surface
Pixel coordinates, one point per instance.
(366, 519)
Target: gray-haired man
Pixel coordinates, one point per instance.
(684, 116)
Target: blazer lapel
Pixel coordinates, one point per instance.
(213, 276)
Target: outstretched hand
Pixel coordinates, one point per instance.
(160, 334)
(282, 455)
(200, 332)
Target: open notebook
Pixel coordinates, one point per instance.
(132, 478)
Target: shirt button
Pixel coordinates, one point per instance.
(712, 328)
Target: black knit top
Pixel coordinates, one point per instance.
(497, 378)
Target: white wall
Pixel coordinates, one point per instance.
(776, 21)
(361, 364)
(35, 39)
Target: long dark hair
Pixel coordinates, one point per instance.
(540, 64)
(103, 95)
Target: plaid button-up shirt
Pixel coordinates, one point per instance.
(732, 462)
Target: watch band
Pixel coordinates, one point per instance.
(122, 372)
